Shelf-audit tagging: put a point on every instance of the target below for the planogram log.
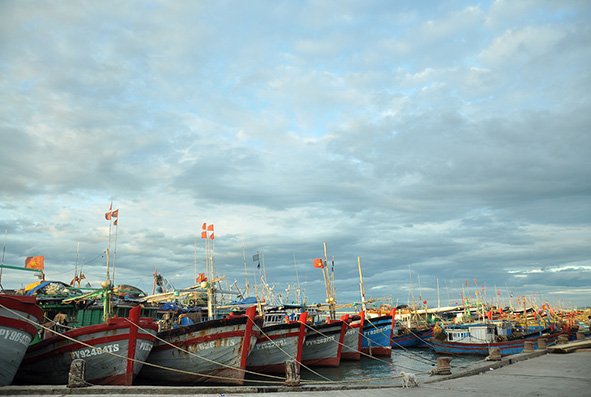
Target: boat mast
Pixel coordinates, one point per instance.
(330, 298)
(361, 287)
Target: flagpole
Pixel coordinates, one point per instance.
(4, 247)
(195, 259)
(115, 251)
(246, 286)
(109, 243)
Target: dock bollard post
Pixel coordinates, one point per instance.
(580, 335)
(562, 339)
(528, 346)
(443, 366)
(494, 354)
(76, 374)
(292, 373)
(542, 343)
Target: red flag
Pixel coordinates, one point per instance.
(210, 228)
(318, 263)
(203, 234)
(424, 302)
(108, 213)
(203, 226)
(211, 235)
(115, 213)
(116, 220)
(35, 262)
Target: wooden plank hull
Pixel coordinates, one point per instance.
(108, 351)
(17, 318)
(482, 349)
(276, 344)
(213, 351)
(352, 343)
(323, 345)
(377, 334)
(416, 338)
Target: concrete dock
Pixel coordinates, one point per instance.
(533, 374)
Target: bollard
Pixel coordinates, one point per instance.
(580, 335)
(76, 374)
(292, 373)
(562, 339)
(542, 343)
(443, 366)
(528, 346)
(494, 354)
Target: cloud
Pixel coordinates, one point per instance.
(445, 143)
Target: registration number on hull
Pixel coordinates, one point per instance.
(95, 351)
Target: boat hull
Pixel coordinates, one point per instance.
(377, 334)
(324, 344)
(352, 343)
(415, 338)
(108, 350)
(213, 351)
(276, 344)
(17, 318)
(482, 349)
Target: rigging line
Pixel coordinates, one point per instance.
(288, 355)
(362, 353)
(205, 358)
(425, 360)
(418, 337)
(121, 356)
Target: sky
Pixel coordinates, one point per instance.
(446, 144)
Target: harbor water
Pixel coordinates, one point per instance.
(377, 370)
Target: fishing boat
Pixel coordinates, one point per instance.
(18, 317)
(478, 339)
(377, 335)
(352, 341)
(411, 337)
(212, 351)
(108, 333)
(324, 344)
(113, 351)
(279, 340)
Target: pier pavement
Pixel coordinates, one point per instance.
(532, 374)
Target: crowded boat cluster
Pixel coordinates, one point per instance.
(198, 335)
(188, 337)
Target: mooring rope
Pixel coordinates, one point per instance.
(287, 354)
(207, 359)
(129, 358)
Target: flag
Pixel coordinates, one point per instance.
(255, 257)
(115, 214)
(116, 220)
(203, 234)
(35, 262)
(210, 228)
(108, 213)
(211, 237)
(318, 263)
(203, 226)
